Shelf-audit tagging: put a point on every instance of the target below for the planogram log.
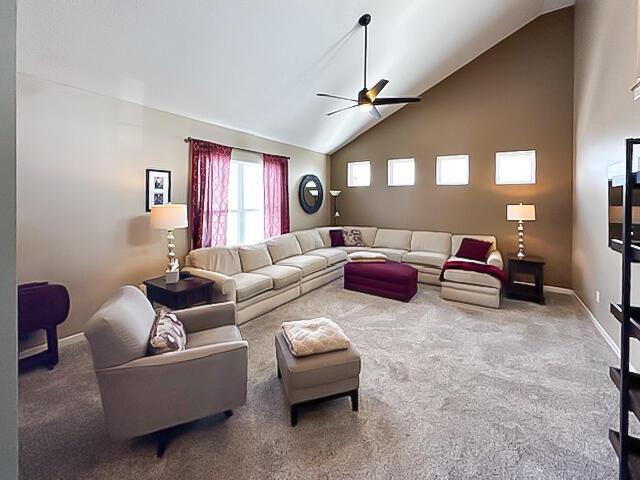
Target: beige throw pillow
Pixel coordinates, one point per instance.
(352, 238)
(167, 335)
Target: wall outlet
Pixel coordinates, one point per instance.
(597, 296)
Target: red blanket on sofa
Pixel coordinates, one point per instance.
(492, 270)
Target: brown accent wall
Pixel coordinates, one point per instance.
(605, 115)
(516, 96)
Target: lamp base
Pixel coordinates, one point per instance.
(172, 277)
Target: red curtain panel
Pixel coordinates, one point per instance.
(210, 166)
(276, 195)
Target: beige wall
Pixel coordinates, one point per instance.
(81, 179)
(605, 114)
(8, 374)
(516, 96)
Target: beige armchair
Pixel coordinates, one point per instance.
(143, 394)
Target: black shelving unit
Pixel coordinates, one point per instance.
(626, 446)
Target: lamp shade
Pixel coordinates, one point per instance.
(335, 193)
(169, 216)
(526, 213)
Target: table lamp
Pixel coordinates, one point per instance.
(334, 196)
(169, 217)
(521, 213)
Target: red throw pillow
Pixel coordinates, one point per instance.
(337, 240)
(474, 249)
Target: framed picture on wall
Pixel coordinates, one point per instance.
(158, 187)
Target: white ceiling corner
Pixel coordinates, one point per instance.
(255, 66)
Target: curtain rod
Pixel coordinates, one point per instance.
(189, 139)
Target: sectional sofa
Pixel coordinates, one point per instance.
(262, 277)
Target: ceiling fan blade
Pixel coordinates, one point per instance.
(335, 96)
(341, 110)
(373, 92)
(394, 100)
(375, 113)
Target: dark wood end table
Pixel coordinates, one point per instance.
(525, 279)
(188, 292)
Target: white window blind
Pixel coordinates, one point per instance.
(515, 168)
(452, 170)
(359, 174)
(401, 172)
(245, 218)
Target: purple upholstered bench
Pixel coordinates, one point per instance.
(389, 279)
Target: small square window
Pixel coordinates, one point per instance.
(516, 168)
(452, 170)
(359, 174)
(401, 172)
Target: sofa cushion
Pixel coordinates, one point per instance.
(167, 335)
(354, 249)
(431, 242)
(283, 246)
(368, 234)
(394, 254)
(307, 263)
(398, 239)
(211, 336)
(333, 255)
(471, 278)
(216, 259)
(337, 238)
(352, 237)
(324, 234)
(433, 259)
(473, 249)
(281, 275)
(309, 240)
(251, 284)
(456, 240)
(253, 257)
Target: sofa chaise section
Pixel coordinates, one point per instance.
(473, 287)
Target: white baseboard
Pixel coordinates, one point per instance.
(603, 333)
(562, 290)
(63, 342)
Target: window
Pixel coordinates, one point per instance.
(514, 168)
(401, 172)
(358, 174)
(245, 220)
(452, 170)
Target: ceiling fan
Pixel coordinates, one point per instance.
(368, 98)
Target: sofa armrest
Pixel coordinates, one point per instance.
(204, 317)
(181, 357)
(495, 259)
(224, 288)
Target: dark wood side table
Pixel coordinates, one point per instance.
(526, 278)
(188, 292)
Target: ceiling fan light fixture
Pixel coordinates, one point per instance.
(368, 99)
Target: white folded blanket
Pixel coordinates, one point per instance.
(365, 256)
(310, 337)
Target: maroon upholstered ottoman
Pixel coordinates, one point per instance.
(389, 279)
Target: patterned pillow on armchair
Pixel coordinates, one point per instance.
(352, 237)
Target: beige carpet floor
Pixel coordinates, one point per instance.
(448, 392)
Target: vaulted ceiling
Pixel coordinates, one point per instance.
(255, 66)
